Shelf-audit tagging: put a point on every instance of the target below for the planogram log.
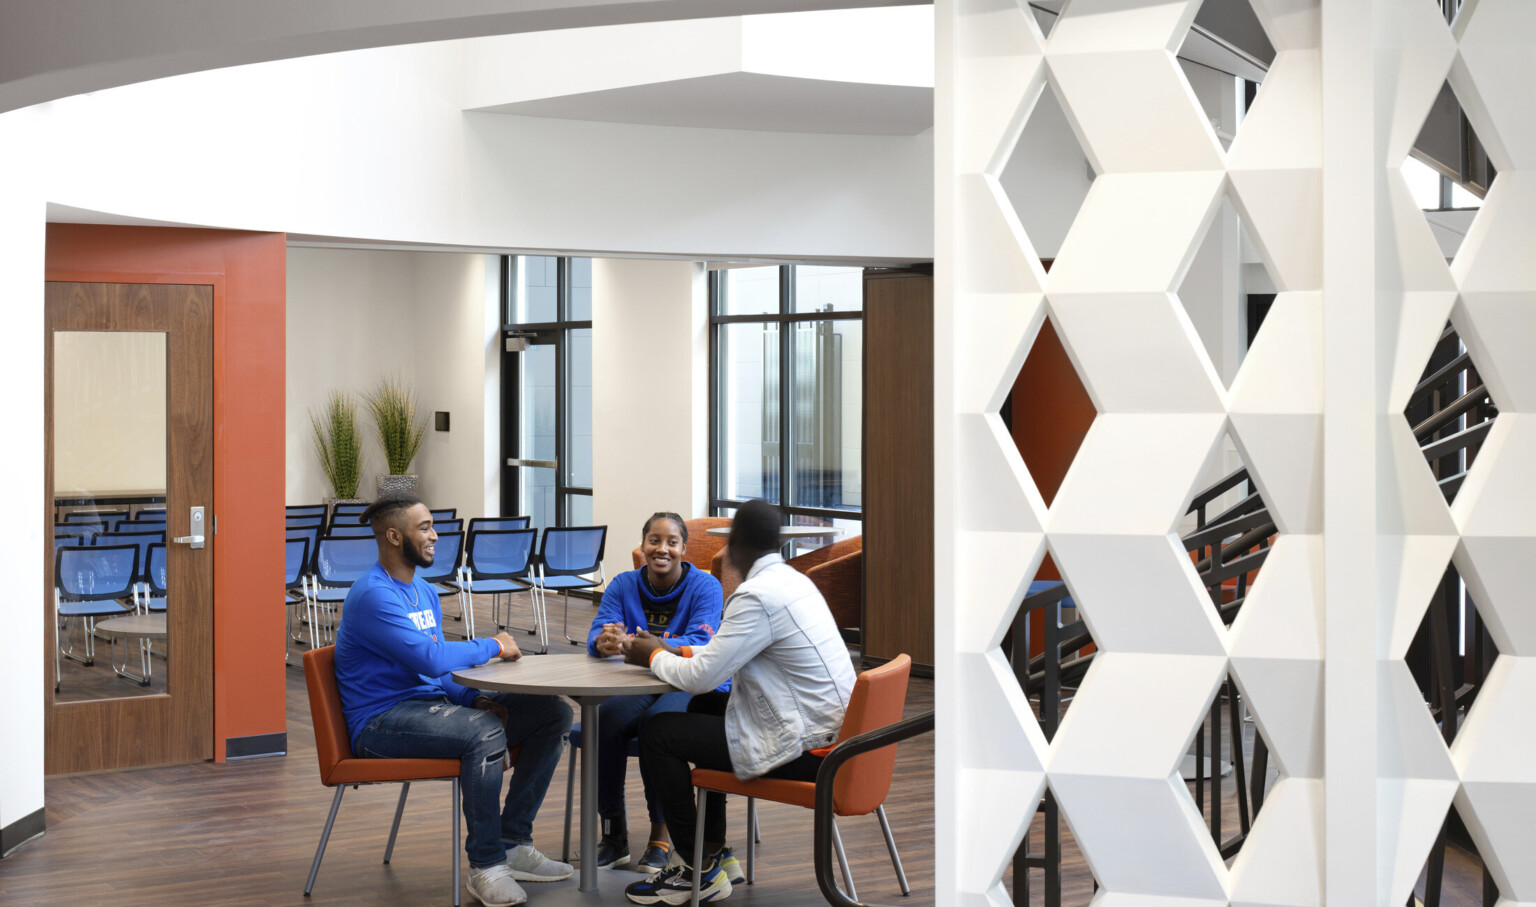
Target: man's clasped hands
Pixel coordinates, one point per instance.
(636, 647)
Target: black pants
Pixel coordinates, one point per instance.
(671, 741)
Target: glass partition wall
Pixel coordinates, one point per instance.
(787, 398)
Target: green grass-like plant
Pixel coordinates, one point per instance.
(337, 443)
(393, 405)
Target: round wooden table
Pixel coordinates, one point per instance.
(589, 681)
(134, 626)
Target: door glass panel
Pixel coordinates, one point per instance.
(535, 289)
(578, 510)
(109, 479)
(828, 289)
(750, 291)
(749, 411)
(578, 446)
(581, 289)
(826, 414)
(537, 440)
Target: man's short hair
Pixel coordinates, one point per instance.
(383, 512)
(755, 528)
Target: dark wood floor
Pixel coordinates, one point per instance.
(243, 833)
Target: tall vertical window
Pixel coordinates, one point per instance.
(787, 394)
(546, 374)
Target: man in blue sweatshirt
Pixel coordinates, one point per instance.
(392, 667)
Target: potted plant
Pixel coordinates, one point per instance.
(393, 405)
(338, 445)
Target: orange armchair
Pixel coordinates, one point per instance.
(339, 768)
(879, 696)
(841, 582)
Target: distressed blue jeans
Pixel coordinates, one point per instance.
(439, 729)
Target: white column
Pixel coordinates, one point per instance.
(650, 396)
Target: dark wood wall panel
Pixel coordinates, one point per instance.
(898, 465)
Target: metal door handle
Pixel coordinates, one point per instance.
(196, 525)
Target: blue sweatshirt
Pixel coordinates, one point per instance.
(687, 615)
(390, 648)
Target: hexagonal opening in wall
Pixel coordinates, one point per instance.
(1450, 658)
(1450, 412)
(1227, 291)
(1448, 172)
(1228, 530)
(1047, 175)
(1224, 58)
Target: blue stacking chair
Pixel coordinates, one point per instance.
(143, 540)
(568, 559)
(499, 562)
(348, 510)
(443, 526)
(344, 531)
(497, 523)
(339, 562)
(93, 516)
(447, 576)
(303, 522)
(293, 510)
(88, 582)
(86, 529)
(61, 541)
(444, 513)
(296, 582)
(155, 579)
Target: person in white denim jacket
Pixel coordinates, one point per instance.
(791, 678)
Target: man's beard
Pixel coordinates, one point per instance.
(414, 556)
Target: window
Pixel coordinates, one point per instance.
(547, 389)
(787, 395)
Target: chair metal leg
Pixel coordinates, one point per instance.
(565, 620)
(453, 842)
(842, 860)
(698, 846)
(751, 837)
(394, 828)
(325, 836)
(570, 800)
(890, 844)
(757, 828)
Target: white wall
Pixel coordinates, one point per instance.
(355, 317)
(650, 393)
(22, 666)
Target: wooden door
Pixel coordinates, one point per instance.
(122, 727)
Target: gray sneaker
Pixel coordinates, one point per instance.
(528, 865)
(495, 887)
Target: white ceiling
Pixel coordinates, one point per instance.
(746, 100)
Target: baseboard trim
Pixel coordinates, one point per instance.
(21, 831)
(256, 745)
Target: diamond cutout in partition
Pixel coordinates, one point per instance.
(1228, 530)
(1047, 175)
(1046, 12)
(1230, 770)
(1450, 412)
(1048, 411)
(1224, 57)
(1451, 658)
(1448, 172)
(1227, 291)
(1498, 781)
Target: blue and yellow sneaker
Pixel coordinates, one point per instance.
(674, 885)
(730, 865)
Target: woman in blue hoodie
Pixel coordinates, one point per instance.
(670, 598)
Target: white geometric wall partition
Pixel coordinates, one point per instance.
(1160, 177)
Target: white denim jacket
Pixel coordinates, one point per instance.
(791, 674)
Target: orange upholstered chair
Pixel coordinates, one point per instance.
(841, 582)
(860, 787)
(832, 552)
(339, 768)
(702, 546)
